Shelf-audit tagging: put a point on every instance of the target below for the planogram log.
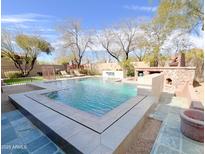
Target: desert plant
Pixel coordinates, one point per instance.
(12, 74)
(128, 67)
(131, 71)
(30, 47)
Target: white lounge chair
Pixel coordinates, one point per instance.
(76, 73)
(65, 74)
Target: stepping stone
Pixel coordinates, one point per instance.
(48, 149)
(37, 143)
(29, 135)
(4, 121)
(8, 135)
(13, 115)
(20, 151)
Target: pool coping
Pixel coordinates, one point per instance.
(69, 132)
(97, 124)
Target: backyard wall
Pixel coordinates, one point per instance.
(7, 65)
(100, 67)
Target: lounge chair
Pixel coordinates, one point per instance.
(65, 74)
(76, 73)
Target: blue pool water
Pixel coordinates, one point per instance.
(94, 95)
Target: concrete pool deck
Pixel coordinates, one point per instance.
(75, 137)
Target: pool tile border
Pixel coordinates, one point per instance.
(97, 124)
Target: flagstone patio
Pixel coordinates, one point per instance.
(170, 139)
(20, 136)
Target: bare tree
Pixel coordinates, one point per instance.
(156, 35)
(120, 40)
(143, 47)
(181, 44)
(76, 40)
(126, 37)
(177, 43)
(108, 42)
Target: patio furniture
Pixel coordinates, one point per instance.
(76, 73)
(65, 74)
(192, 124)
(49, 72)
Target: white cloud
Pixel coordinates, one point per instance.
(21, 18)
(140, 8)
(197, 41)
(16, 20)
(47, 29)
(57, 43)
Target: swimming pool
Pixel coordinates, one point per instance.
(93, 95)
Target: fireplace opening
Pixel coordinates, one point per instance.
(169, 81)
(154, 72)
(140, 73)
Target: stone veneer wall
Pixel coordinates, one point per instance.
(178, 75)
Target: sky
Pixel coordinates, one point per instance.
(92, 13)
(43, 16)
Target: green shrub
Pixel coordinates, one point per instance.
(12, 74)
(131, 71)
(128, 66)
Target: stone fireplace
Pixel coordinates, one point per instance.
(173, 75)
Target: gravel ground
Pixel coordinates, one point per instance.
(200, 92)
(146, 138)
